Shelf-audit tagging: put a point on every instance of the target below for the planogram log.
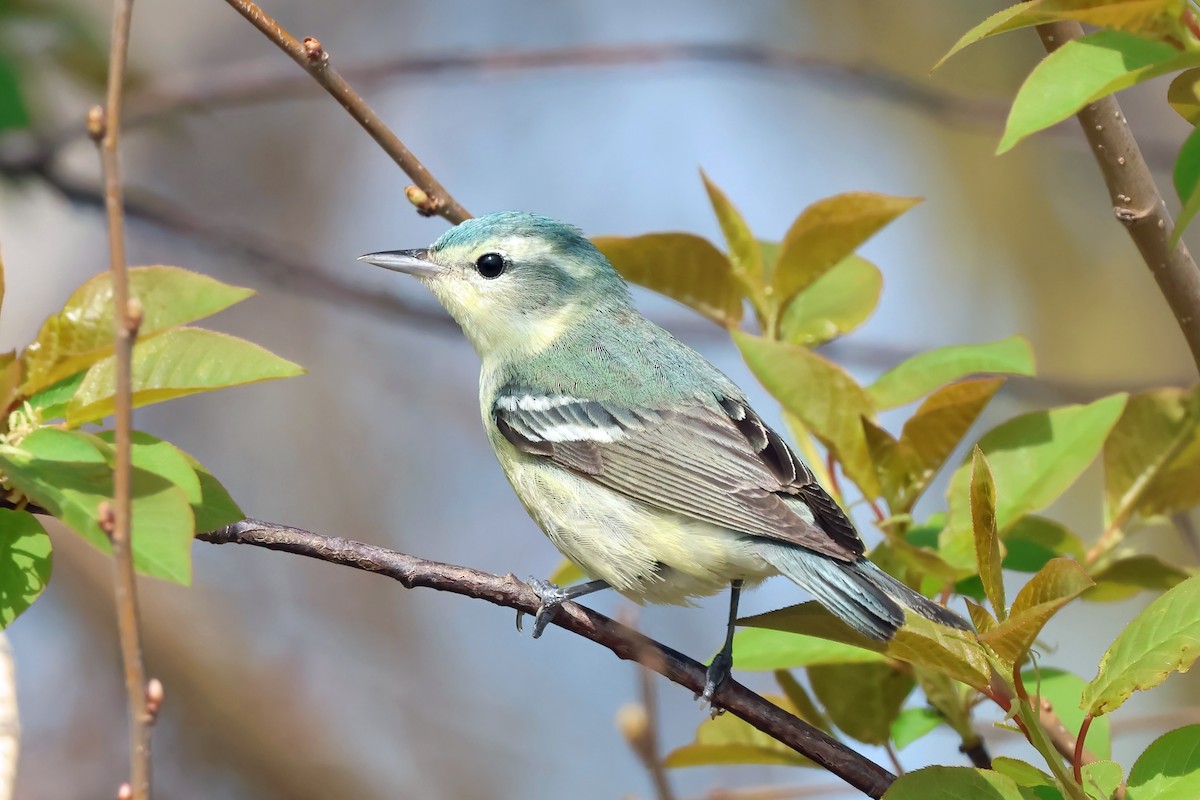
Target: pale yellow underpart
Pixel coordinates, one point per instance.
(624, 542)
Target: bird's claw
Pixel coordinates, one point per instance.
(552, 597)
(717, 672)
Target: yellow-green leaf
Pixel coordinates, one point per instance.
(1169, 769)
(1131, 15)
(761, 649)
(920, 642)
(744, 252)
(1125, 577)
(1152, 456)
(1163, 638)
(1186, 177)
(1082, 71)
(1055, 585)
(1184, 95)
(1101, 778)
(913, 723)
(1021, 772)
(921, 374)
(179, 362)
(567, 573)
(822, 395)
(1034, 458)
(683, 266)
(862, 700)
(68, 473)
(987, 540)
(82, 332)
(826, 233)
(836, 303)
(24, 562)
(953, 783)
(730, 740)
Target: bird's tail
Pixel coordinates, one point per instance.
(861, 594)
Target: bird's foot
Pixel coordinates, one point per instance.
(552, 597)
(718, 671)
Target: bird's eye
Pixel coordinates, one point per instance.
(491, 265)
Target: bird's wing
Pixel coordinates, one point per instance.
(720, 465)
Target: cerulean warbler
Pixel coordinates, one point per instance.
(641, 461)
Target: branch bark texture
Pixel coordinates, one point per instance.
(625, 643)
(310, 55)
(1136, 201)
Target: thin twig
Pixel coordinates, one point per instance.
(310, 55)
(104, 125)
(862, 773)
(1135, 198)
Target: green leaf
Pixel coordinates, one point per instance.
(1101, 778)
(14, 111)
(1021, 772)
(24, 562)
(1122, 579)
(1033, 540)
(822, 395)
(53, 400)
(760, 649)
(1034, 458)
(921, 374)
(826, 233)
(1131, 15)
(1063, 690)
(1055, 585)
(1186, 177)
(953, 783)
(744, 252)
(862, 700)
(1081, 72)
(913, 723)
(987, 540)
(82, 332)
(836, 303)
(1152, 457)
(804, 706)
(1169, 769)
(567, 573)
(907, 466)
(1183, 95)
(69, 474)
(730, 740)
(216, 508)
(1163, 638)
(920, 642)
(682, 266)
(175, 364)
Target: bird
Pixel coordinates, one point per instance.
(642, 462)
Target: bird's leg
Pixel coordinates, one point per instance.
(718, 670)
(552, 597)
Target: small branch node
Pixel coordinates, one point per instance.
(125, 792)
(313, 50)
(633, 722)
(154, 697)
(1129, 216)
(134, 315)
(106, 518)
(426, 206)
(96, 124)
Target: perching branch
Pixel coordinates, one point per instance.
(1136, 200)
(312, 56)
(104, 126)
(507, 591)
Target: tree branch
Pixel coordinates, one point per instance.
(104, 126)
(312, 57)
(1136, 200)
(625, 643)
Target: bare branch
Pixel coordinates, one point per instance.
(104, 125)
(509, 592)
(310, 55)
(1135, 198)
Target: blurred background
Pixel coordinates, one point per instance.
(293, 679)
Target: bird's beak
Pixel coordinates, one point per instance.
(414, 262)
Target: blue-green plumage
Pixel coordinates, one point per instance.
(642, 462)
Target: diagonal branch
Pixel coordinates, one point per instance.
(624, 642)
(1136, 200)
(312, 57)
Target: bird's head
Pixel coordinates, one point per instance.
(513, 281)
